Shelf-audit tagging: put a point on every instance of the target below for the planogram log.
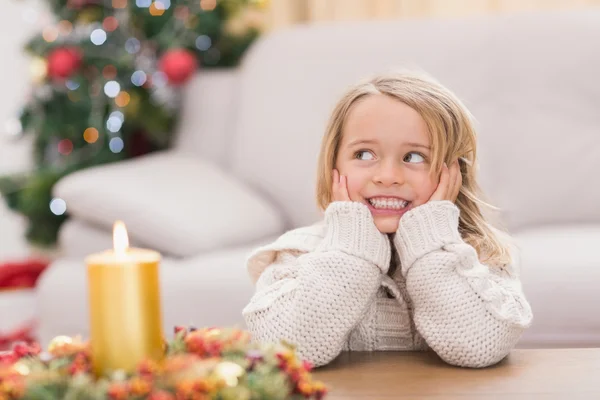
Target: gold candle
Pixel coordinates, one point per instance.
(124, 301)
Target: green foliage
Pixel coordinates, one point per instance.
(60, 110)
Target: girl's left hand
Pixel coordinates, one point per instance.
(450, 183)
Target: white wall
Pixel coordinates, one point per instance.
(14, 84)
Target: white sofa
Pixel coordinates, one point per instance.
(531, 81)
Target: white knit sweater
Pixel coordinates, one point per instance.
(326, 288)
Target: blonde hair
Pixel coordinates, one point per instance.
(452, 136)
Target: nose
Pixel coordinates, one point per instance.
(389, 173)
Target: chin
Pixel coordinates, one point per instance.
(387, 224)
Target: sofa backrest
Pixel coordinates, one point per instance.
(209, 107)
(532, 82)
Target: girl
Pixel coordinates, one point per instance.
(404, 259)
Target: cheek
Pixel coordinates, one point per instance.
(424, 186)
(356, 183)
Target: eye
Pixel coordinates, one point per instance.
(364, 155)
(414, 158)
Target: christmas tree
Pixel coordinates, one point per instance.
(108, 74)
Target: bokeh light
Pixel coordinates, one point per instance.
(74, 97)
(182, 12)
(65, 27)
(159, 79)
(98, 37)
(72, 85)
(122, 99)
(119, 3)
(110, 23)
(114, 124)
(208, 5)
(116, 145)
(38, 69)
(138, 78)
(112, 88)
(143, 3)
(65, 147)
(203, 42)
(165, 4)
(109, 72)
(58, 206)
(50, 34)
(132, 45)
(91, 135)
(157, 9)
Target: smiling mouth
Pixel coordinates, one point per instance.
(388, 203)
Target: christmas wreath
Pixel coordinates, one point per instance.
(209, 363)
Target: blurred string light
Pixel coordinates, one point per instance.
(91, 135)
(157, 9)
(65, 147)
(109, 72)
(116, 145)
(208, 5)
(122, 99)
(73, 96)
(112, 88)
(203, 42)
(118, 114)
(50, 34)
(143, 3)
(159, 79)
(114, 124)
(65, 27)
(138, 78)
(38, 69)
(132, 45)
(119, 3)
(72, 85)
(98, 37)
(110, 23)
(58, 206)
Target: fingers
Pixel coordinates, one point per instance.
(344, 188)
(457, 184)
(339, 187)
(441, 192)
(450, 183)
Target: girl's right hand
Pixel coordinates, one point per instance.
(340, 187)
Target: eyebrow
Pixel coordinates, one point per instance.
(370, 141)
(418, 145)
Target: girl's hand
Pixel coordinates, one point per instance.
(340, 188)
(450, 183)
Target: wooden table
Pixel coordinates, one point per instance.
(565, 374)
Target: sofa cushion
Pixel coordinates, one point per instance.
(171, 202)
(560, 271)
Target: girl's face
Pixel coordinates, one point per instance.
(385, 154)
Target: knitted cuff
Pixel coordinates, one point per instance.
(424, 229)
(350, 228)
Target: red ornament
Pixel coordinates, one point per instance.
(64, 62)
(178, 65)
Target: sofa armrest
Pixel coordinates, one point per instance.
(171, 202)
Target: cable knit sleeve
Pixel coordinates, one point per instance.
(471, 315)
(314, 300)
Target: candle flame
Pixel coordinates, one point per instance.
(120, 238)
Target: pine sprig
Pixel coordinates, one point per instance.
(206, 363)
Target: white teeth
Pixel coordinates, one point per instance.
(383, 203)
